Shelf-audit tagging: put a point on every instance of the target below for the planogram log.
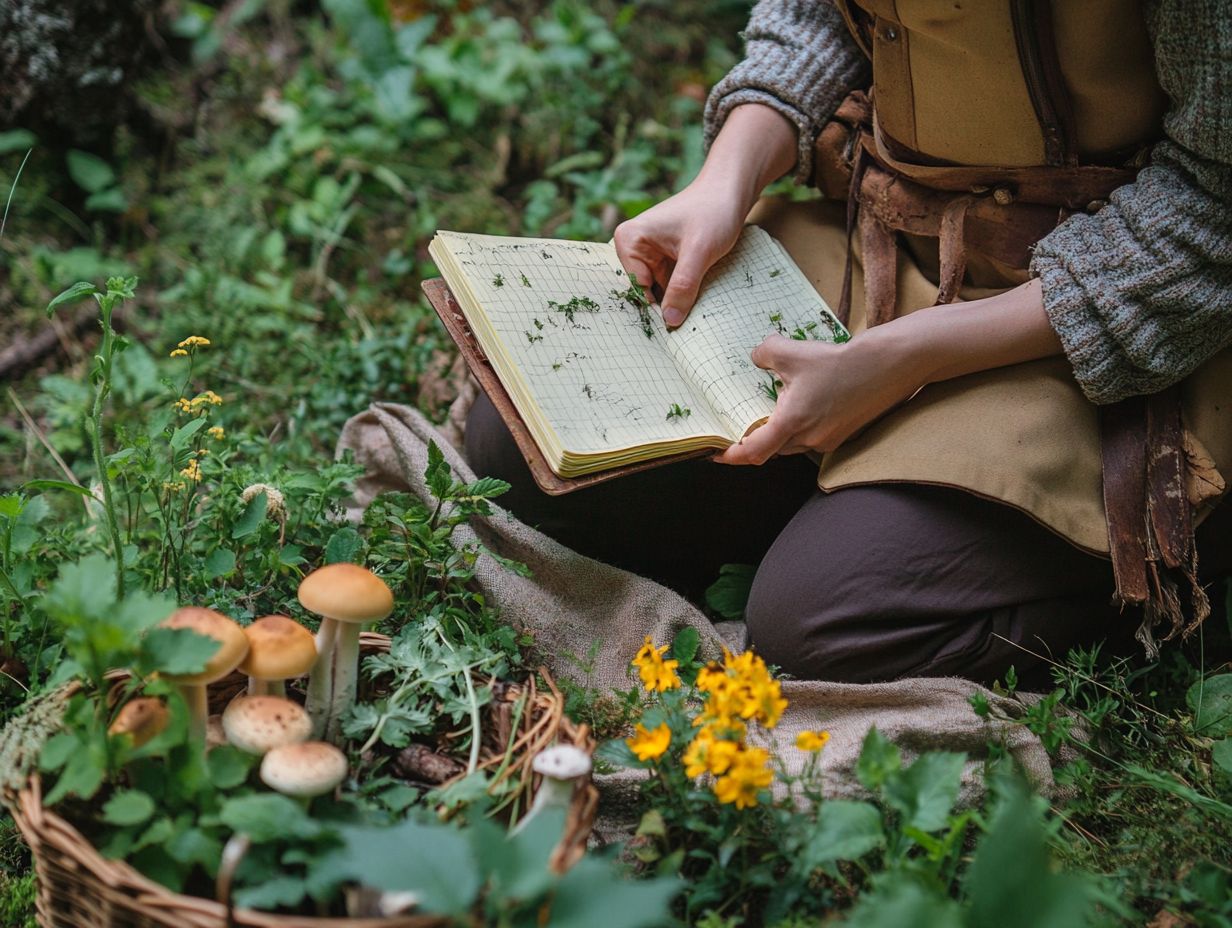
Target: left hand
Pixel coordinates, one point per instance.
(829, 393)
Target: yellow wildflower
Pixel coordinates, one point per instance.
(173, 485)
(208, 397)
(648, 745)
(707, 753)
(195, 341)
(179, 353)
(746, 776)
(658, 675)
(218, 433)
(201, 452)
(812, 741)
(192, 471)
(183, 405)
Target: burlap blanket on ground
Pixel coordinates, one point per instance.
(572, 604)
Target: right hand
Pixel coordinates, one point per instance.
(671, 246)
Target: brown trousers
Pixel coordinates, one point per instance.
(859, 585)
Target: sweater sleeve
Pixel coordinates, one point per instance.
(1140, 293)
(799, 60)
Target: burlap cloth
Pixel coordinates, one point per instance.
(574, 606)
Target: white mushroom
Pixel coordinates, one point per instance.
(258, 724)
(561, 767)
(311, 768)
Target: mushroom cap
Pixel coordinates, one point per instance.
(346, 593)
(308, 769)
(258, 724)
(278, 648)
(231, 638)
(142, 718)
(562, 762)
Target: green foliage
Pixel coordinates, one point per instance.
(729, 595)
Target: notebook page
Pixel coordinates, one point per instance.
(755, 291)
(577, 350)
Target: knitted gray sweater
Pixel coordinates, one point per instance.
(1140, 293)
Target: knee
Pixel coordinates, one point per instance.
(788, 625)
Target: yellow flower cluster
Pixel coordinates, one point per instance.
(649, 744)
(173, 485)
(812, 741)
(178, 353)
(218, 433)
(195, 341)
(658, 675)
(198, 403)
(192, 471)
(738, 690)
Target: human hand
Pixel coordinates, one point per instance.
(671, 246)
(829, 393)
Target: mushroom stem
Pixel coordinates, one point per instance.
(198, 709)
(320, 680)
(346, 678)
(259, 687)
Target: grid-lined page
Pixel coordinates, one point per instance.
(755, 291)
(596, 366)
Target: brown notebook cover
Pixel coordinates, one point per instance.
(442, 300)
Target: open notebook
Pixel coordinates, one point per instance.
(595, 378)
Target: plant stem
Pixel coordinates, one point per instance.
(106, 351)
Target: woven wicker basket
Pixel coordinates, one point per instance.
(78, 888)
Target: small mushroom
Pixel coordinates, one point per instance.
(141, 719)
(278, 648)
(561, 767)
(304, 770)
(346, 596)
(233, 645)
(258, 724)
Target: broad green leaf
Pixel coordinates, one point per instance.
(84, 589)
(925, 792)
(280, 892)
(77, 291)
(1210, 700)
(437, 472)
(618, 753)
(176, 650)
(436, 862)
(57, 750)
(128, 807)
(111, 200)
(1011, 882)
(344, 547)
(879, 759)
(81, 776)
(685, 645)
(901, 903)
(89, 172)
(594, 892)
(268, 817)
(1221, 755)
(252, 516)
(517, 867)
(219, 563)
(183, 435)
(196, 846)
(228, 766)
(486, 488)
(846, 830)
(730, 593)
(16, 140)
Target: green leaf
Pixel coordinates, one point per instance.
(1011, 882)
(593, 893)
(128, 807)
(925, 792)
(42, 486)
(176, 651)
(344, 547)
(81, 776)
(436, 862)
(219, 564)
(89, 172)
(268, 817)
(879, 759)
(730, 593)
(276, 893)
(618, 753)
(16, 140)
(228, 766)
(847, 830)
(1210, 700)
(57, 750)
(252, 516)
(196, 846)
(1221, 755)
(485, 488)
(183, 435)
(111, 200)
(437, 474)
(77, 291)
(685, 645)
(904, 904)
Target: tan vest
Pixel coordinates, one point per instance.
(957, 82)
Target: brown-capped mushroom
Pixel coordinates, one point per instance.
(141, 719)
(258, 724)
(278, 648)
(346, 596)
(232, 646)
(304, 770)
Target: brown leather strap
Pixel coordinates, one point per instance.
(953, 249)
(880, 252)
